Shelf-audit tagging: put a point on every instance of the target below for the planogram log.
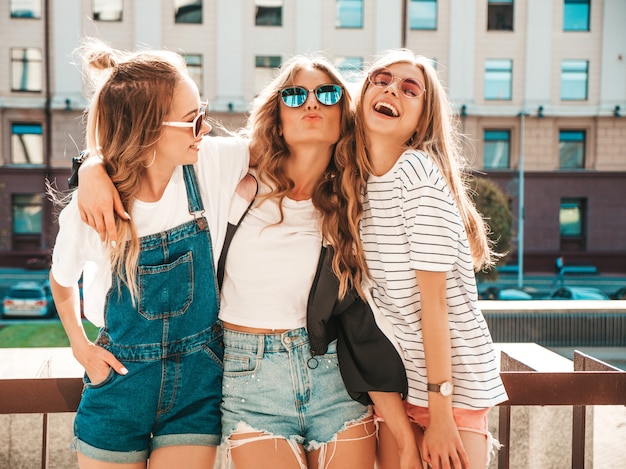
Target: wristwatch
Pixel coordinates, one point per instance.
(445, 388)
(72, 181)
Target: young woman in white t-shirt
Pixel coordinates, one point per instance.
(297, 335)
(153, 375)
(423, 240)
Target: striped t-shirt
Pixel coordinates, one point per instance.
(410, 223)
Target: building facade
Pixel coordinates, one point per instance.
(539, 85)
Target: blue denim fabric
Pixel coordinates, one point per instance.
(171, 343)
(273, 384)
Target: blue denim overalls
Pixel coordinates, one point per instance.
(171, 343)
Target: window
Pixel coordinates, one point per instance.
(423, 14)
(350, 68)
(269, 13)
(188, 11)
(26, 144)
(574, 75)
(107, 10)
(496, 153)
(572, 215)
(498, 78)
(265, 68)
(194, 67)
(349, 14)
(500, 15)
(572, 149)
(576, 15)
(27, 214)
(26, 9)
(26, 69)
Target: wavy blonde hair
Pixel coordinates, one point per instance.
(436, 134)
(132, 96)
(337, 195)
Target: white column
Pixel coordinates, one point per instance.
(613, 71)
(387, 24)
(65, 28)
(462, 62)
(538, 65)
(148, 23)
(229, 56)
(308, 26)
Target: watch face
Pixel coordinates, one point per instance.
(446, 388)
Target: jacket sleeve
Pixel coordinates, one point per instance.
(367, 359)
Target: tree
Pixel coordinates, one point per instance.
(493, 204)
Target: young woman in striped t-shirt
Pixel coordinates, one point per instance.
(423, 240)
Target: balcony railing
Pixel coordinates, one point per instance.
(591, 383)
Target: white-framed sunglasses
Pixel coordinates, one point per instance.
(196, 123)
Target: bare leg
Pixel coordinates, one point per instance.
(187, 456)
(85, 462)
(387, 452)
(476, 447)
(354, 448)
(258, 450)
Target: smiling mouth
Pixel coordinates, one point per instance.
(387, 109)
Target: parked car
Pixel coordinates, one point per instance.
(52, 310)
(25, 299)
(578, 293)
(620, 294)
(496, 293)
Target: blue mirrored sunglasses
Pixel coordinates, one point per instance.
(296, 96)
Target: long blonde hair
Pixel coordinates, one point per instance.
(436, 133)
(132, 96)
(337, 195)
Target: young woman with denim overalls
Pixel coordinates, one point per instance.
(298, 338)
(153, 376)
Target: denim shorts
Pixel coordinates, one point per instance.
(273, 385)
(122, 419)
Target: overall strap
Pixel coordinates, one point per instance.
(194, 199)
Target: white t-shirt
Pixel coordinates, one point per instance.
(270, 267)
(410, 222)
(222, 162)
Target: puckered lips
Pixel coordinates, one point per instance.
(388, 109)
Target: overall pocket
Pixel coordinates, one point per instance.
(166, 290)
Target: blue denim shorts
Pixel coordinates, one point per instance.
(122, 419)
(272, 384)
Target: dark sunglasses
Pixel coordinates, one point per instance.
(296, 96)
(410, 87)
(196, 123)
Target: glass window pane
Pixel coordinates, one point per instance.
(496, 153)
(423, 14)
(571, 217)
(349, 14)
(500, 15)
(26, 69)
(572, 149)
(269, 13)
(26, 214)
(194, 67)
(574, 75)
(25, 8)
(351, 68)
(26, 144)
(576, 15)
(265, 69)
(107, 10)
(188, 11)
(498, 77)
